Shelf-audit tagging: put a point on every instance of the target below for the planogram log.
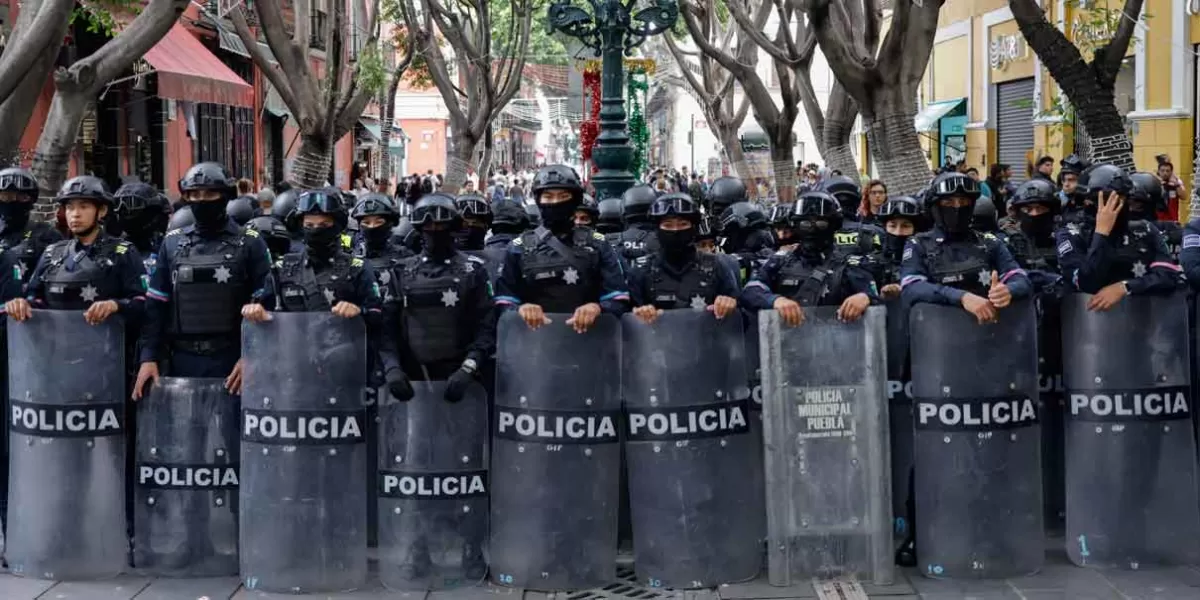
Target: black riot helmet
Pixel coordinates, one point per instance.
(723, 193)
(376, 205)
(1104, 178)
(742, 216)
(705, 229)
(902, 207)
(557, 177)
(846, 191)
(816, 217)
(322, 201)
(273, 232)
(182, 217)
(635, 204)
(19, 181)
(473, 206)
(508, 216)
(1072, 164)
(140, 209)
(436, 208)
(241, 209)
(674, 205)
(1147, 195)
(405, 235)
(1036, 191)
(780, 214)
(85, 187)
(284, 209)
(949, 186)
(608, 219)
(588, 207)
(208, 176)
(983, 218)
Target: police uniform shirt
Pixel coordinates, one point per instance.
(512, 289)
(760, 291)
(1090, 261)
(10, 277)
(124, 280)
(472, 300)
(360, 287)
(27, 246)
(721, 282)
(1189, 253)
(257, 267)
(916, 270)
(637, 241)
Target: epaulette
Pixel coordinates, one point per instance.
(122, 247)
(597, 235)
(356, 262)
(248, 231)
(781, 252)
(180, 230)
(518, 241)
(990, 236)
(473, 258)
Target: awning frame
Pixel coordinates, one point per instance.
(927, 119)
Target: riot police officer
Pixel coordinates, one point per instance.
(1146, 201)
(284, 209)
(1070, 168)
(1030, 235)
(274, 233)
(638, 238)
(811, 273)
(93, 272)
(723, 193)
(508, 221)
(746, 236)
(985, 219)
(678, 276)
(476, 216)
(142, 213)
(780, 213)
(706, 236)
(1108, 255)
(588, 213)
(439, 323)
(856, 237)
(207, 272)
(242, 209)
(376, 215)
(902, 217)
(24, 240)
(954, 265)
(557, 267)
(608, 216)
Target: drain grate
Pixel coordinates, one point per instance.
(626, 587)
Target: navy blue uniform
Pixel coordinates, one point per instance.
(27, 246)
(1189, 254)
(310, 284)
(1090, 261)
(638, 240)
(697, 284)
(808, 280)
(194, 313)
(71, 276)
(939, 271)
(534, 272)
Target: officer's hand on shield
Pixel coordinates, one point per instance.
(890, 291)
(346, 310)
(647, 314)
(533, 315)
(460, 381)
(984, 311)
(789, 311)
(998, 293)
(398, 385)
(233, 383)
(18, 309)
(1107, 297)
(852, 308)
(1106, 214)
(256, 313)
(147, 373)
(100, 311)
(722, 306)
(584, 317)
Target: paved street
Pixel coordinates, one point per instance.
(1057, 580)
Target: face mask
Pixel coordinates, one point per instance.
(813, 239)
(558, 217)
(1038, 227)
(676, 244)
(376, 237)
(209, 215)
(438, 242)
(893, 245)
(321, 240)
(470, 238)
(15, 215)
(954, 220)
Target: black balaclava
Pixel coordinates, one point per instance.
(893, 245)
(439, 242)
(558, 218)
(470, 238)
(15, 215)
(1039, 227)
(811, 239)
(376, 238)
(677, 246)
(210, 216)
(954, 221)
(322, 242)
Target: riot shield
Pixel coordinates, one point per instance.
(1130, 447)
(186, 480)
(697, 512)
(900, 415)
(825, 433)
(66, 493)
(1051, 411)
(976, 442)
(556, 454)
(304, 464)
(432, 489)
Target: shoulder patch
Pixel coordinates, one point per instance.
(597, 235)
(180, 230)
(356, 262)
(1191, 241)
(781, 252)
(642, 260)
(1065, 248)
(990, 236)
(518, 241)
(249, 232)
(473, 258)
(122, 247)
(908, 252)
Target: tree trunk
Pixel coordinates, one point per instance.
(311, 167)
(894, 143)
(839, 121)
(485, 162)
(783, 163)
(18, 108)
(386, 118)
(461, 160)
(737, 159)
(53, 155)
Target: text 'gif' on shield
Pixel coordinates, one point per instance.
(66, 496)
(304, 487)
(556, 454)
(977, 442)
(697, 511)
(826, 447)
(432, 488)
(1130, 447)
(186, 479)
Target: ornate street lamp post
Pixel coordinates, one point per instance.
(612, 32)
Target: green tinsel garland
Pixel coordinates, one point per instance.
(637, 81)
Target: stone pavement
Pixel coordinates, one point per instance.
(1058, 580)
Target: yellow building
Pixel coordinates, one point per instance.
(987, 98)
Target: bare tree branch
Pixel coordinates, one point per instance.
(34, 33)
(1114, 51)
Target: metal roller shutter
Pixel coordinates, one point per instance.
(1014, 125)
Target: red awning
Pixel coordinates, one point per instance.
(187, 71)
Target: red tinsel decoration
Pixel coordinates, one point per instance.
(589, 129)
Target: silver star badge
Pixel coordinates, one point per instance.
(89, 292)
(328, 295)
(698, 303)
(571, 276)
(985, 277)
(222, 274)
(1139, 269)
(450, 298)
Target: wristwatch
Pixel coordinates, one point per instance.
(470, 366)
(1125, 286)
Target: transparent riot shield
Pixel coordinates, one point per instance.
(304, 488)
(432, 489)
(556, 454)
(1130, 447)
(978, 483)
(186, 479)
(1051, 411)
(697, 512)
(827, 466)
(900, 415)
(66, 492)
